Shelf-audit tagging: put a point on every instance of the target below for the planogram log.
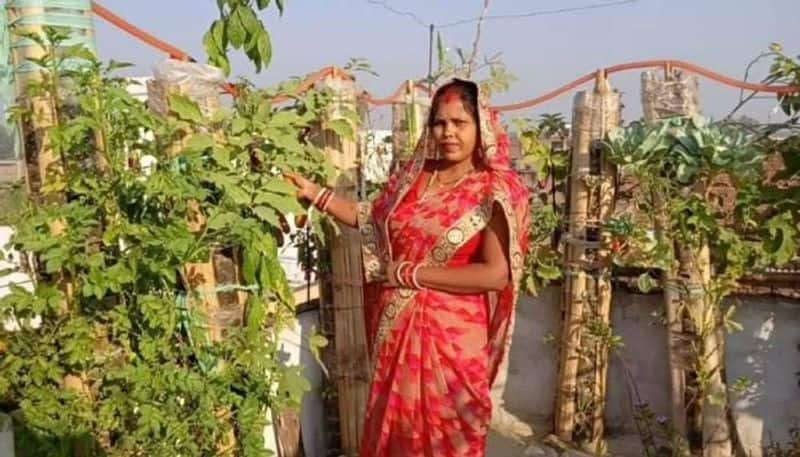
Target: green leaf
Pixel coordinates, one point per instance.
(237, 32)
(250, 260)
(185, 108)
(264, 46)
(215, 42)
(199, 142)
(262, 4)
(315, 343)
(268, 215)
(285, 204)
(342, 128)
(281, 5)
(221, 221)
(239, 125)
(645, 283)
(283, 119)
(781, 242)
(548, 272)
(280, 186)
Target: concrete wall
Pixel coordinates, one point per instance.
(766, 352)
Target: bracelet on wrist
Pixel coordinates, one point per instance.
(398, 273)
(328, 199)
(318, 196)
(415, 276)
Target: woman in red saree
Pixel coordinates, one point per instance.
(443, 246)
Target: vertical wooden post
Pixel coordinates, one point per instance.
(594, 114)
(663, 98)
(200, 277)
(609, 118)
(677, 95)
(408, 123)
(352, 366)
(43, 163)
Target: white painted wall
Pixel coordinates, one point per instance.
(766, 352)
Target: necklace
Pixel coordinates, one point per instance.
(456, 181)
(445, 184)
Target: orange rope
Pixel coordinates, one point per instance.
(666, 64)
(150, 39)
(397, 96)
(146, 37)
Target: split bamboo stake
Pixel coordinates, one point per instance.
(582, 374)
(200, 279)
(44, 165)
(408, 122)
(352, 366)
(610, 115)
(677, 95)
(663, 98)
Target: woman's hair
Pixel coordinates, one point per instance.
(466, 91)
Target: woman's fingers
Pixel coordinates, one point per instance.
(302, 184)
(292, 178)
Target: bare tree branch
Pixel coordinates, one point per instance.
(476, 43)
(742, 99)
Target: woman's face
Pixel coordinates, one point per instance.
(454, 130)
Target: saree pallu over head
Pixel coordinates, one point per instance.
(435, 354)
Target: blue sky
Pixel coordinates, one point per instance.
(543, 52)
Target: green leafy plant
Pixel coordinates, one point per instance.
(676, 163)
(239, 27)
(113, 305)
(543, 264)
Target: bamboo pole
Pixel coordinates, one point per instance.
(408, 122)
(44, 164)
(610, 115)
(663, 98)
(676, 95)
(716, 428)
(200, 278)
(352, 369)
(574, 281)
(583, 369)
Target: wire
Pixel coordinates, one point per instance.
(538, 13)
(422, 23)
(413, 16)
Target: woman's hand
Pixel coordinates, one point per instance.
(342, 209)
(306, 190)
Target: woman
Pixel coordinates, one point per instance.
(445, 243)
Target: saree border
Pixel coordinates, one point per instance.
(461, 231)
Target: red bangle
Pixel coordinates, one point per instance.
(318, 196)
(323, 198)
(327, 202)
